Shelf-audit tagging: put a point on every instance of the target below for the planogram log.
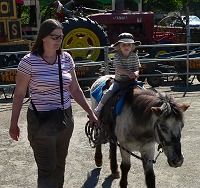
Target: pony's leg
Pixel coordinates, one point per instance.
(149, 175)
(125, 167)
(98, 156)
(148, 168)
(113, 161)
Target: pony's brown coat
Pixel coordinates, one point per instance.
(142, 102)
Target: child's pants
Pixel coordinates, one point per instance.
(112, 89)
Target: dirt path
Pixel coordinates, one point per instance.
(18, 169)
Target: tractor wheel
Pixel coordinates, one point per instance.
(83, 33)
(155, 81)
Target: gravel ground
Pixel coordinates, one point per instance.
(18, 168)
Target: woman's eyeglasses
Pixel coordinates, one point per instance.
(56, 37)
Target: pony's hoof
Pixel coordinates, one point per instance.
(116, 175)
(98, 162)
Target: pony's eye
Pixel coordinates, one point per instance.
(164, 129)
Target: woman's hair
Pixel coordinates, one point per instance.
(46, 28)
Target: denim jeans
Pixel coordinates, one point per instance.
(50, 152)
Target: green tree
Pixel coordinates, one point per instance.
(170, 5)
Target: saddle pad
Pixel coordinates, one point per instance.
(121, 101)
(98, 92)
(119, 105)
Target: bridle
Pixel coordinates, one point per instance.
(163, 141)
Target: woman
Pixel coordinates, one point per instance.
(39, 72)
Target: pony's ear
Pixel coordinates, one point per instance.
(157, 111)
(184, 107)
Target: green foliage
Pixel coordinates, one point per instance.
(169, 6)
(148, 5)
(47, 12)
(104, 1)
(157, 5)
(46, 2)
(23, 14)
(137, 1)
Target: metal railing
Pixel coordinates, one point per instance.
(107, 61)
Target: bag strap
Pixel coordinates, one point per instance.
(61, 82)
(34, 108)
(61, 87)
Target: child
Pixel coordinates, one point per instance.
(126, 64)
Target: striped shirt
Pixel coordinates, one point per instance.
(130, 63)
(44, 85)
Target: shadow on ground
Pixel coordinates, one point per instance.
(93, 178)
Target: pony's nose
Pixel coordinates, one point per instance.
(176, 162)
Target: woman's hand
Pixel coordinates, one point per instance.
(93, 119)
(14, 132)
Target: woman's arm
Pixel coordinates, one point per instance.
(22, 81)
(79, 97)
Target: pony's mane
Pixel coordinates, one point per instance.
(141, 102)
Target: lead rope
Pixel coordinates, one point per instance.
(93, 132)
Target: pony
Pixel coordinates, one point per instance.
(147, 117)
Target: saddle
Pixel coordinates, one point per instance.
(113, 106)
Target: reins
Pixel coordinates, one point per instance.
(93, 132)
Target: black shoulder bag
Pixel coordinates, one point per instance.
(53, 121)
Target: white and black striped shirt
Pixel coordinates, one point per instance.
(130, 63)
(44, 85)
